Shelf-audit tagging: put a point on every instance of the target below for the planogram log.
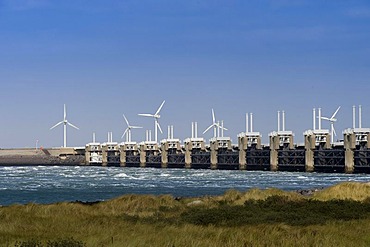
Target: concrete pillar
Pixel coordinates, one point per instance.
(309, 142)
(142, 155)
(164, 154)
(104, 155)
(242, 144)
(122, 156)
(190, 144)
(214, 148)
(87, 155)
(328, 142)
(274, 147)
(350, 146)
(259, 145)
(188, 149)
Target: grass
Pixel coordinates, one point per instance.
(336, 216)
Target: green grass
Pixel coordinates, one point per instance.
(253, 218)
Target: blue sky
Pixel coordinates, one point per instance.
(106, 58)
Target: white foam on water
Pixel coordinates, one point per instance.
(122, 175)
(150, 186)
(164, 175)
(7, 168)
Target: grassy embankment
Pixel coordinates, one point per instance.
(337, 216)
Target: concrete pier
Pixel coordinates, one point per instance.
(357, 149)
(127, 149)
(350, 146)
(170, 147)
(93, 154)
(315, 140)
(281, 142)
(150, 154)
(222, 153)
(110, 154)
(242, 146)
(194, 146)
(250, 146)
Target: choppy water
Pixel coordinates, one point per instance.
(41, 184)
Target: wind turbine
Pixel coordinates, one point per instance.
(128, 130)
(215, 125)
(65, 123)
(332, 119)
(156, 116)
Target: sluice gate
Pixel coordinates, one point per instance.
(223, 155)
(291, 159)
(329, 160)
(173, 155)
(258, 159)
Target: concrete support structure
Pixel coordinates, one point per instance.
(127, 147)
(145, 148)
(246, 141)
(314, 139)
(110, 153)
(242, 144)
(350, 146)
(190, 145)
(354, 139)
(309, 143)
(166, 146)
(93, 154)
(216, 144)
(274, 147)
(279, 140)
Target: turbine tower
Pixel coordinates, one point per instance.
(128, 130)
(332, 119)
(215, 125)
(156, 116)
(65, 123)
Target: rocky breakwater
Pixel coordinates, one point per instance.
(22, 157)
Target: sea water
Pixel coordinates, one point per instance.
(46, 184)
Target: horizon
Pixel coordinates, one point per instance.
(107, 59)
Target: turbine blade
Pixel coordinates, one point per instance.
(335, 133)
(126, 120)
(145, 115)
(325, 118)
(335, 113)
(208, 128)
(136, 127)
(124, 133)
(65, 112)
(213, 116)
(159, 127)
(56, 125)
(160, 108)
(219, 126)
(72, 125)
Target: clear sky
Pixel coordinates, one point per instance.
(108, 58)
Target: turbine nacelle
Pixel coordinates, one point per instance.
(332, 120)
(156, 117)
(127, 131)
(65, 123)
(214, 125)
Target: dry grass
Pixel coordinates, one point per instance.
(135, 220)
(349, 190)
